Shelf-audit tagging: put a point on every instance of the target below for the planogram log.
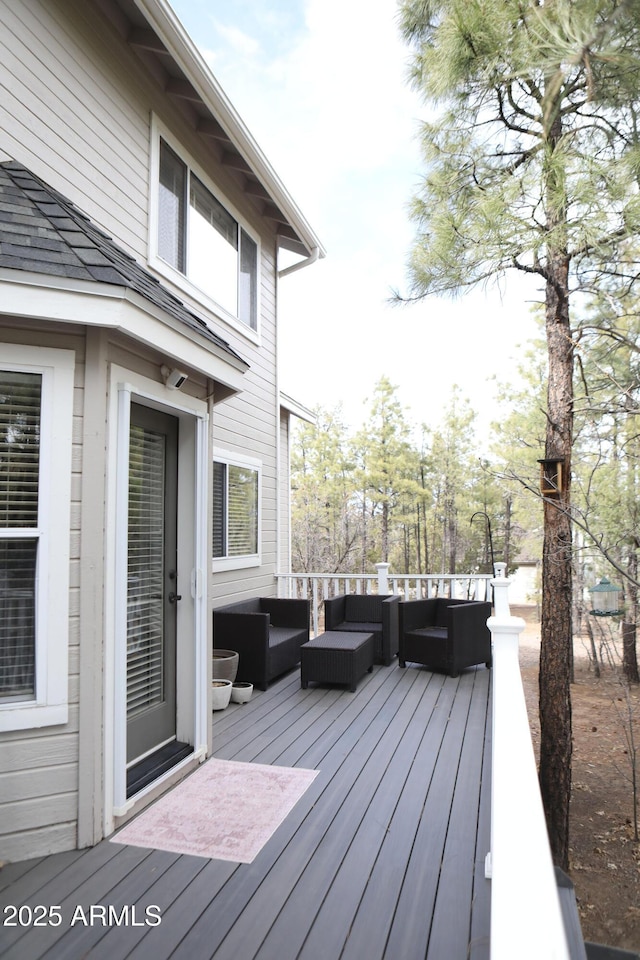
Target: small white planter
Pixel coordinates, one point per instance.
(220, 694)
(241, 691)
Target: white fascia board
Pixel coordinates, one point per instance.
(297, 409)
(117, 308)
(179, 44)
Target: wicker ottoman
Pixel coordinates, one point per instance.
(336, 657)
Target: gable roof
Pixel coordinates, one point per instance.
(42, 231)
(161, 43)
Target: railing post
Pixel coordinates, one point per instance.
(383, 578)
(524, 892)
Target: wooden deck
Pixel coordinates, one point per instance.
(382, 858)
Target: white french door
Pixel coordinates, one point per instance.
(158, 642)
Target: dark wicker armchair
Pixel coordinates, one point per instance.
(267, 633)
(370, 613)
(445, 634)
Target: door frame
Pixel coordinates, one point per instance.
(192, 668)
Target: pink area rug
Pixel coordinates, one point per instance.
(225, 810)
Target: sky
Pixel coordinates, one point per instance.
(323, 87)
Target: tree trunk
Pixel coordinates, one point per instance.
(556, 627)
(629, 656)
(594, 650)
(451, 537)
(426, 542)
(507, 533)
(385, 531)
(365, 532)
(629, 649)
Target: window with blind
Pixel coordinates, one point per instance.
(202, 240)
(36, 424)
(236, 497)
(20, 403)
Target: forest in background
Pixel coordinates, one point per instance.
(422, 497)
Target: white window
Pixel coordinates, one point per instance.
(36, 406)
(20, 400)
(236, 511)
(202, 240)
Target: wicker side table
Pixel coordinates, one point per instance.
(336, 657)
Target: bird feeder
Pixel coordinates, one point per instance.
(605, 599)
(551, 476)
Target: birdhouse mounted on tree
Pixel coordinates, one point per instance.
(551, 476)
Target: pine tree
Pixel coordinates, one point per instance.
(385, 456)
(533, 165)
(325, 529)
(607, 410)
(454, 466)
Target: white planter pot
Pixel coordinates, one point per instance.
(241, 691)
(225, 664)
(220, 694)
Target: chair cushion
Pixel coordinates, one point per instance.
(252, 605)
(352, 626)
(441, 616)
(363, 608)
(429, 633)
(284, 649)
(279, 635)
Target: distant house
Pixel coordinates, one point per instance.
(142, 433)
(525, 582)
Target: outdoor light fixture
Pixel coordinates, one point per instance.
(175, 378)
(605, 599)
(551, 476)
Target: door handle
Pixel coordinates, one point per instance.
(174, 597)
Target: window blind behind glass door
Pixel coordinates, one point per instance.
(145, 573)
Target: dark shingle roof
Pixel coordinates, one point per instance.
(41, 231)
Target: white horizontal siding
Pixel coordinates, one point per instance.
(69, 116)
(23, 751)
(249, 423)
(27, 784)
(284, 483)
(76, 108)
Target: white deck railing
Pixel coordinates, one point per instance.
(526, 917)
(318, 587)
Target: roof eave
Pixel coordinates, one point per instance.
(164, 22)
(90, 304)
(297, 409)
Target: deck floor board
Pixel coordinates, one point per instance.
(383, 856)
(457, 872)
(339, 859)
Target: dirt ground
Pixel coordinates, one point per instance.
(605, 858)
